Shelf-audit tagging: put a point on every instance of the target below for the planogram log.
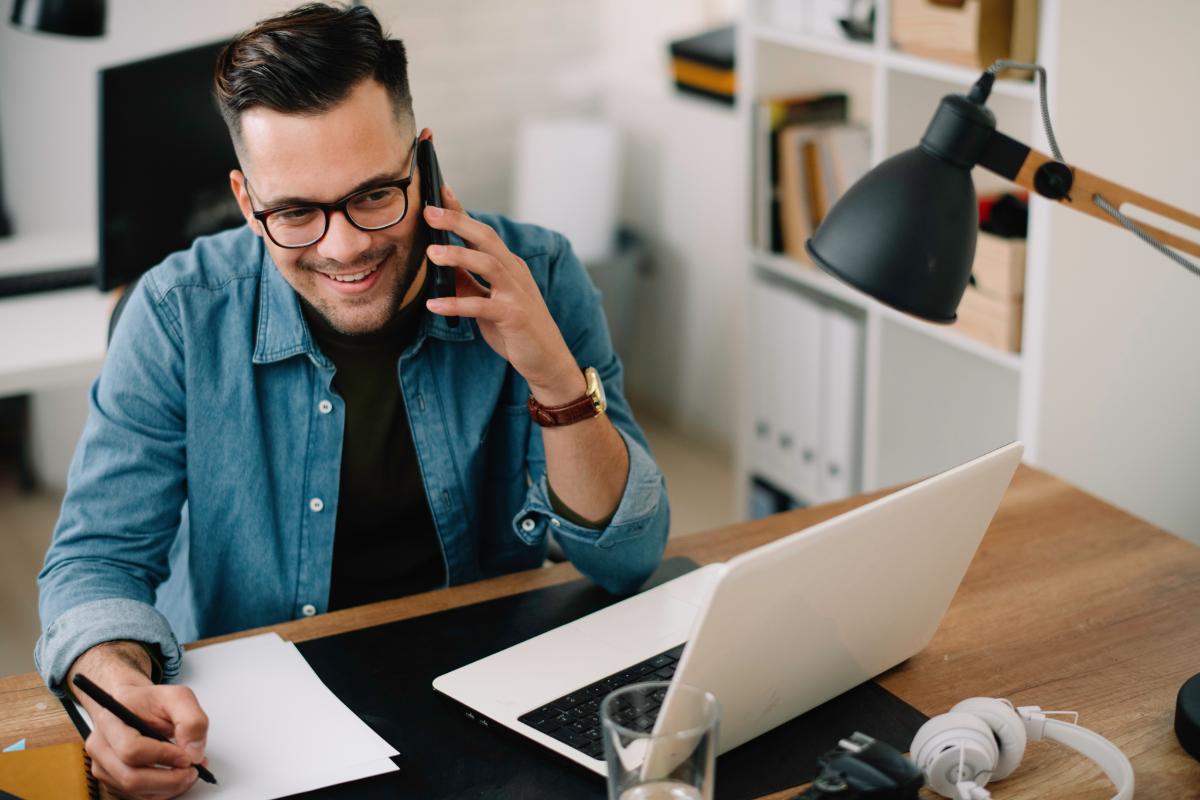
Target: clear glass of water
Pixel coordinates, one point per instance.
(660, 741)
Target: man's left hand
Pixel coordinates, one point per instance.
(510, 311)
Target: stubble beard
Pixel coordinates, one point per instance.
(343, 315)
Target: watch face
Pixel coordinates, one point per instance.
(596, 389)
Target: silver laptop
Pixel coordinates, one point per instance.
(772, 633)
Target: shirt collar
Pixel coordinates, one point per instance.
(282, 332)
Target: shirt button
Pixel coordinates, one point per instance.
(316, 504)
(324, 406)
(554, 521)
(308, 609)
(528, 524)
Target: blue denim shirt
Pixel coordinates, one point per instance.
(203, 494)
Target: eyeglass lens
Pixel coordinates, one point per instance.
(371, 210)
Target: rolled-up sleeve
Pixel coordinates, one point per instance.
(627, 550)
(125, 492)
(94, 622)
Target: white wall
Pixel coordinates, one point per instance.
(684, 192)
(1119, 408)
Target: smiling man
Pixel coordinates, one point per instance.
(286, 422)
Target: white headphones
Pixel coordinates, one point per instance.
(982, 739)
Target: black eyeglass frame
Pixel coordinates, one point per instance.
(341, 205)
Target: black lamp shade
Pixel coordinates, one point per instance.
(904, 234)
(68, 17)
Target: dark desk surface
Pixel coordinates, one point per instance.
(1070, 604)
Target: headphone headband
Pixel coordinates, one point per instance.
(942, 743)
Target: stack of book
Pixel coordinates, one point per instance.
(807, 157)
(704, 65)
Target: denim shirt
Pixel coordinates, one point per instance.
(203, 494)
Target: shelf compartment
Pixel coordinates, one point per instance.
(828, 286)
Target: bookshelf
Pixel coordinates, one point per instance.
(929, 396)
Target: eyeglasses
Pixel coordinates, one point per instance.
(371, 209)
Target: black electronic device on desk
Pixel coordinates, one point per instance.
(165, 157)
(431, 195)
(862, 767)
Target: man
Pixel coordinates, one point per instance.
(286, 423)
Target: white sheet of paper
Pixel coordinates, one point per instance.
(274, 728)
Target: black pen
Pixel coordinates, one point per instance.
(122, 713)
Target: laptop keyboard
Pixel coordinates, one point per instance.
(574, 719)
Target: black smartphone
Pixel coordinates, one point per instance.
(431, 195)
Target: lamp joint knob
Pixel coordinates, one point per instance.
(1053, 180)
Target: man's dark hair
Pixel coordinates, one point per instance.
(307, 61)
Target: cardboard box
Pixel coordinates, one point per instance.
(971, 33)
(999, 267)
(993, 321)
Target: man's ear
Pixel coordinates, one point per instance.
(237, 182)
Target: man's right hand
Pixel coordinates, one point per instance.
(123, 759)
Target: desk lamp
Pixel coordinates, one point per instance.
(905, 232)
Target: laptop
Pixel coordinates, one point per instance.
(772, 633)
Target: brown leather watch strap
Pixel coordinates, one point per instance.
(554, 416)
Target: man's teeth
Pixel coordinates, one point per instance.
(358, 276)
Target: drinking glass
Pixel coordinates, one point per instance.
(660, 741)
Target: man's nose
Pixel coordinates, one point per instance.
(343, 242)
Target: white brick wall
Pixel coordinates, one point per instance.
(478, 68)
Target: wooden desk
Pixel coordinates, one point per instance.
(1070, 604)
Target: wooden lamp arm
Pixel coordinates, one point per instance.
(1077, 189)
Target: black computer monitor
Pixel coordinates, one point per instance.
(165, 157)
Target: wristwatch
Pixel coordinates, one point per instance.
(592, 404)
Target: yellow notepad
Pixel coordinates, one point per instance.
(57, 772)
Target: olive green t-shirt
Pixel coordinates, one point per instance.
(385, 543)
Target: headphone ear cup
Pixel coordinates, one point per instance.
(1007, 726)
(945, 739)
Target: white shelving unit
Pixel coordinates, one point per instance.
(931, 398)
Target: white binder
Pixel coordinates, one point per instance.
(806, 394)
(798, 385)
(842, 393)
(763, 352)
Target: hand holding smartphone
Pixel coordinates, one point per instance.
(431, 195)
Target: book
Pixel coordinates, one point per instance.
(848, 150)
(57, 772)
(705, 64)
(795, 196)
(773, 115)
(817, 164)
(710, 82)
(814, 182)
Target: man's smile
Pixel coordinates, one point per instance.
(355, 282)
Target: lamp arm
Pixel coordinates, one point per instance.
(1086, 192)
